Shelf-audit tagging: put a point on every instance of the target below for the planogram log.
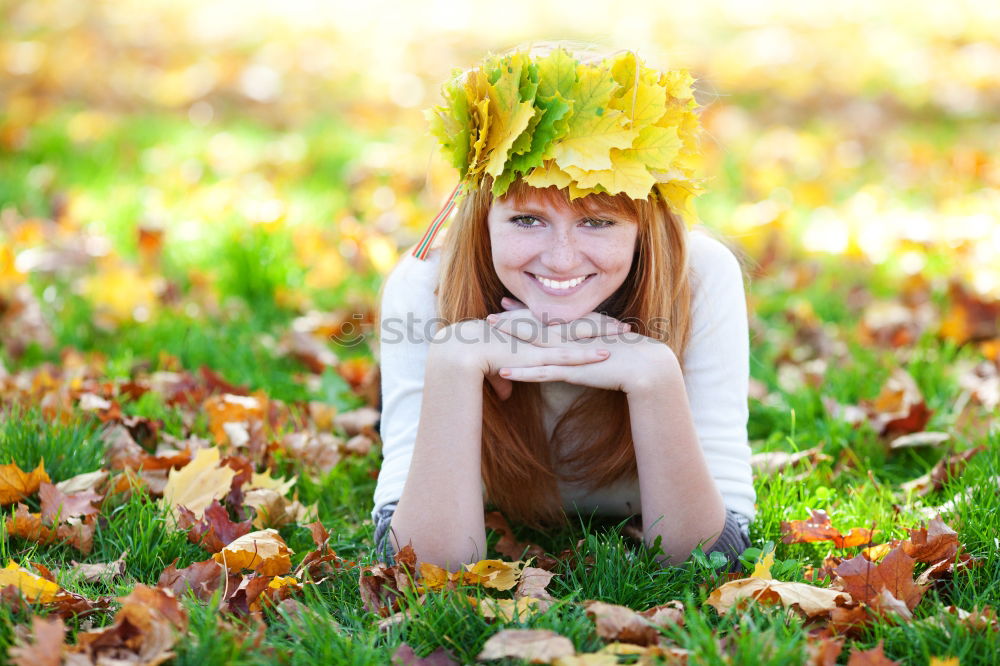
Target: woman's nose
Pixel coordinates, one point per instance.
(562, 254)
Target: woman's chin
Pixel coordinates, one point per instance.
(549, 313)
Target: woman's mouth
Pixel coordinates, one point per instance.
(561, 287)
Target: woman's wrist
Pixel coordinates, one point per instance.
(661, 373)
(458, 347)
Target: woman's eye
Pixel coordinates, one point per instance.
(602, 223)
(524, 221)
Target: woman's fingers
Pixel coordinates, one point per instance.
(524, 326)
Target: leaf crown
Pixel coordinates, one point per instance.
(615, 126)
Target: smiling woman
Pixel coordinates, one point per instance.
(594, 352)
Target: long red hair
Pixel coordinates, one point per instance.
(592, 441)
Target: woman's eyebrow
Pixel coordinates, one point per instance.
(541, 214)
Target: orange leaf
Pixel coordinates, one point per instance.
(819, 528)
(864, 581)
(264, 552)
(16, 485)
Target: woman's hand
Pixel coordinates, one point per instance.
(635, 363)
(600, 325)
(474, 342)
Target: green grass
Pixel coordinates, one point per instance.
(858, 487)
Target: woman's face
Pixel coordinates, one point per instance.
(559, 263)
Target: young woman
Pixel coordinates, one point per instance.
(570, 345)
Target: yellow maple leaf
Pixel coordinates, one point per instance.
(265, 480)
(627, 174)
(506, 609)
(497, 574)
(595, 127)
(642, 99)
(263, 551)
(762, 569)
(198, 483)
(33, 587)
(547, 175)
(15, 484)
(510, 116)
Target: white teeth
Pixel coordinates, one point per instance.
(553, 284)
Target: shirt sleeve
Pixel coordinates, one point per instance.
(407, 323)
(717, 369)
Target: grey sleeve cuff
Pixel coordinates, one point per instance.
(735, 538)
(383, 535)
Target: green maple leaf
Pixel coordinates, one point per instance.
(550, 126)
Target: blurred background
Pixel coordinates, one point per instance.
(219, 182)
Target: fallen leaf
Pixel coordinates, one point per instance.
(899, 408)
(507, 610)
(15, 484)
(864, 581)
(872, 657)
(620, 623)
(100, 571)
(538, 646)
(32, 586)
(932, 544)
(144, 629)
(818, 528)
(197, 484)
(533, 584)
(201, 578)
(58, 505)
(824, 651)
(405, 656)
(509, 546)
(945, 470)
(496, 574)
(263, 551)
(762, 569)
(810, 600)
(772, 462)
(47, 647)
(83, 482)
(927, 438)
(274, 510)
(215, 530)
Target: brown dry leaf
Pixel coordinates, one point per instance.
(818, 528)
(358, 421)
(202, 578)
(539, 646)
(864, 581)
(58, 505)
(100, 571)
(405, 656)
(900, 408)
(27, 525)
(236, 409)
(985, 619)
(83, 482)
(47, 647)
(932, 544)
(15, 484)
(533, 584)
(810, 600)
(970, 317)
(320, 452)
(772, 462)
(144, 630)
(198, 483)
(946, 469)
(263, 551)
(926, 438)
(824, 650)
(274, 510)
(215, 530)
(620, 623)
(872, 657)
(509, 546)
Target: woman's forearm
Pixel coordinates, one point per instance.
(680, 501)
(441, 508)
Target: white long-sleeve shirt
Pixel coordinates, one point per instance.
(716, 375)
